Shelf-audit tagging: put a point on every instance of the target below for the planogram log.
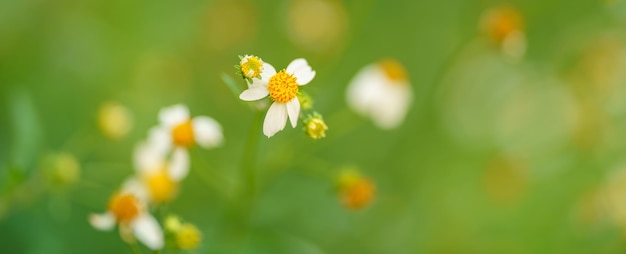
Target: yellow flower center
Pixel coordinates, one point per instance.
(251, 66)
(501, 22)
(358, 193)
(188, 237)
(283, 87)
(161, 186)
(393, 70)
(125, 207)
(183, 134)
(316, 128)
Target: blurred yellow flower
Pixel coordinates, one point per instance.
(61, 169)
(315, 127)
(172, 223)
(188, 237)
(504, 25)
(382, 92)
(282, 87)
(242, 26)
(128, 209)
(114, 120)
(355, 191)
(320, 26)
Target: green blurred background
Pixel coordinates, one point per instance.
(495, 156)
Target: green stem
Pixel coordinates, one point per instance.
(249, 160)
(133, 247)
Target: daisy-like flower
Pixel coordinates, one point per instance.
(382, 92)
(127, 208)
(159, 176)
(282, 87)
(251, 66)
(178, 130)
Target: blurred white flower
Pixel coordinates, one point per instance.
(179, 131)
(282, 88)
(382, 92)
(159, 176)
(128, 210)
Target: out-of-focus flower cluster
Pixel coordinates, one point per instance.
(161, 163)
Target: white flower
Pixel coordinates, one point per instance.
(251, 66)
(282, 88)
(179, 131)
(159, 176)
(382, 92)
(128, 209)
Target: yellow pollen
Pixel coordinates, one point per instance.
(283, 87)
(161, 186)
(393, 70)
(125, 207)
(251, 66)
(183, 134)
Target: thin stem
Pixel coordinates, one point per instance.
(249, 160)
(134, 248)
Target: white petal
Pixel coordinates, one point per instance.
(104, 222)
(293, 110)
(393, 105)
(268, 72)
(303, 77)
(207, 131)
(147, 159)
(364, 89)
(179, 164)
(173, 115)
(275, 119)
(255, 92)
(301, 69)
(148, 231)
(160, 138)
(297, 64)
(134, 186)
